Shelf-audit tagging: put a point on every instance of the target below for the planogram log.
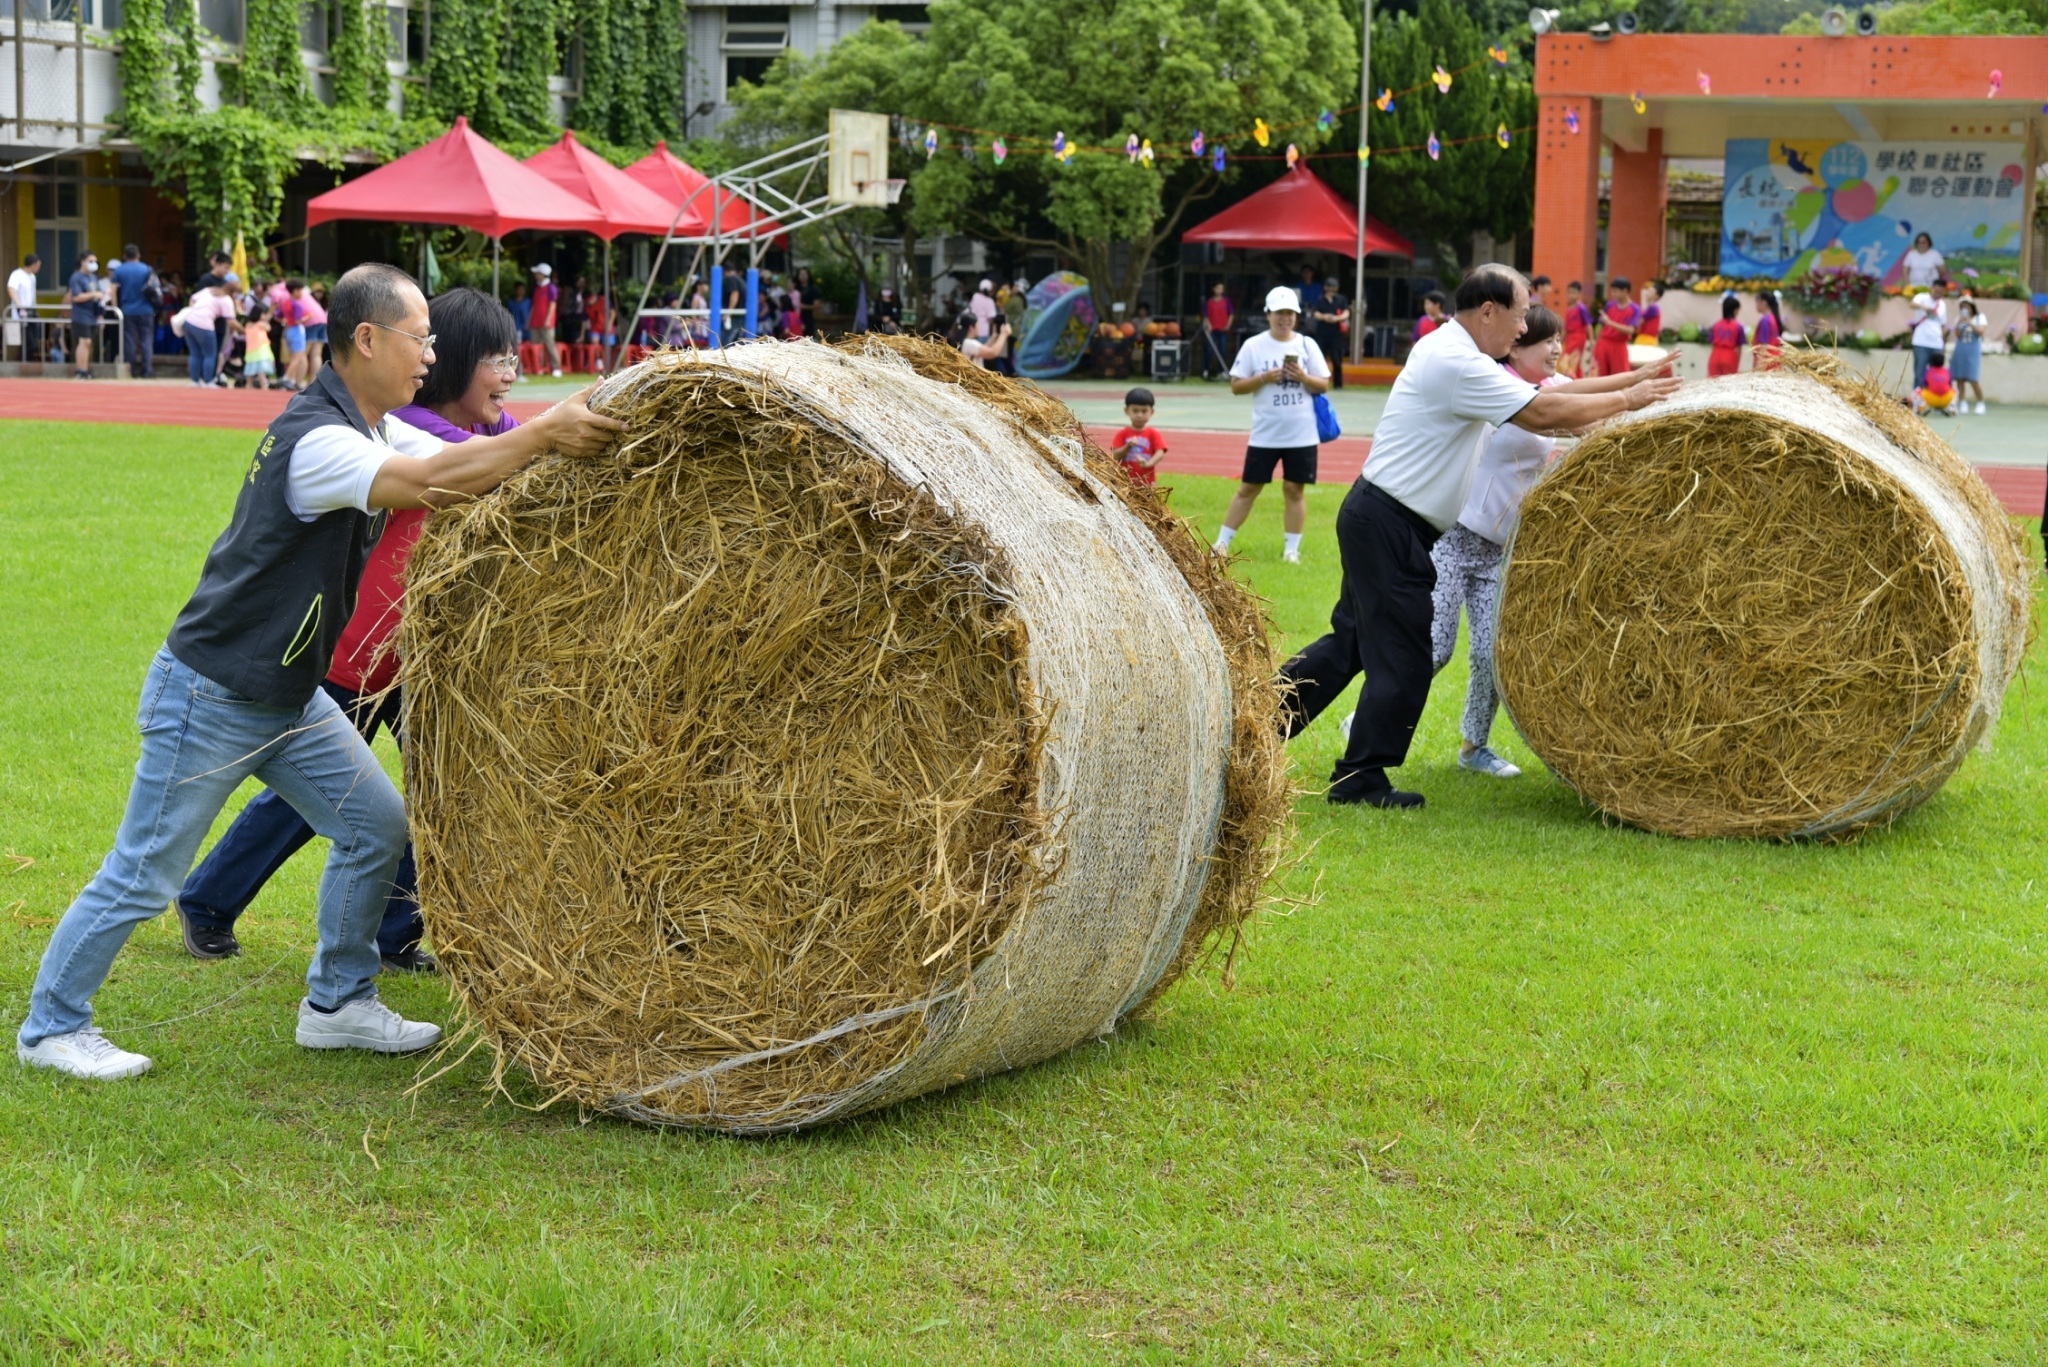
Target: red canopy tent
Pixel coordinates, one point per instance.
(1298, 212)
(627, 205)
(461, 179)
(675, 180)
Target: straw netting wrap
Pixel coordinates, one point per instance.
(840, 736)
(1774, 606)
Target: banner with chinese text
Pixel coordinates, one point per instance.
(1791, 204)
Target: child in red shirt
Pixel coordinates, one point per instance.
(1138, 443)
(1578, 330)
(1727, 338)
(1619, 321)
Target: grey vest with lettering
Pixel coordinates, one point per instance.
(276, 592)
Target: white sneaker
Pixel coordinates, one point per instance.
(1980, 405)
(364, 1023)
(1291, 557)
(1484, 761)
(558, 374)
(83, 1053)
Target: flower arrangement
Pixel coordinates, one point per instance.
(1839, 290)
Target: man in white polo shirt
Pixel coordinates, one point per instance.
(1450, 391)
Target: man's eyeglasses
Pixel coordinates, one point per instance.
(426, 342)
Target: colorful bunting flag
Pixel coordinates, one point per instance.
(1000, 150)
(1216, 161)
(1436, 148)
(1364, 156)
(1706, 84)
(1261, 134)
(1131, 149)
(1571, 120)
(1384, 102)
(931, 143)
(1637, 103)
(1997, 84)
(1502, 136)
(1195, 147)
(1293, 155)
(1145, 153)
(1499, 55)
(1326, 120)
(1443, 81)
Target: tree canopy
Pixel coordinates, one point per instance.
(1099, 72)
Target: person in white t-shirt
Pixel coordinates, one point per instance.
(1450, 393)
(1930, 329)
(21, 303)
(1923, 264)
(1283, 371)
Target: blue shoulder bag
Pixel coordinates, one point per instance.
(1326, 420)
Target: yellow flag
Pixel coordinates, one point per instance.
(241, 259)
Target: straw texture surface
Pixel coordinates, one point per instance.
(1777, 605)
(846, 733)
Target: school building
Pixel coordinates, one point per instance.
(1833, 151)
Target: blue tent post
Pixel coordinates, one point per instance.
(752, 323)
(717, 319)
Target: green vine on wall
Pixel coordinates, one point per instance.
(491, 60)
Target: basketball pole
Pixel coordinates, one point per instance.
(1364, 166)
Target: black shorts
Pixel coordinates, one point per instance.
(1297, 464)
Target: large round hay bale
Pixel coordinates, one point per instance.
(1777, 605)
(846, 733)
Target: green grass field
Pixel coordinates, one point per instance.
(1509, 1085)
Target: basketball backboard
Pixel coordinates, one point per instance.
(858, 164)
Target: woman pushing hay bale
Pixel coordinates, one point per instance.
(1776, 605)
(847, 733)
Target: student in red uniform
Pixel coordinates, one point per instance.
(1578, 331)
(1652, 321)
(1620, 320)
(1770, 331)
(1727, 338)
(1138, 443)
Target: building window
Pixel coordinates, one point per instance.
(313, 20)
(223, 19)
(755, 35)
(916, 20)
(96, 13)
(60, 223)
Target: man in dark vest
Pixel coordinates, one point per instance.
(235, 692)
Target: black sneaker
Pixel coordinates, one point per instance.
(205, 942)
(414, 960)
(1377, 797)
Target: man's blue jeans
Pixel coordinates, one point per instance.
(199, 741)
(268, 832)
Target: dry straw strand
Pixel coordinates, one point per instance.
(844, 733)
(1776, 606)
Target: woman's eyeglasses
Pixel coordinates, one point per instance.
(504, 365)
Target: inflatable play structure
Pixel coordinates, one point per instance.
(1058, 319)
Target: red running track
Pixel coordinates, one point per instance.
(2020, 488)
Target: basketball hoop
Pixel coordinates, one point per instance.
(858, 159)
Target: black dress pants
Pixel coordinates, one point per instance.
(1380, 627)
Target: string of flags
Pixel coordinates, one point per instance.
(1140, 152)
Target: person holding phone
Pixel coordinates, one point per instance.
(1284, 371)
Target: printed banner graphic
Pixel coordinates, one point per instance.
(1791, 204)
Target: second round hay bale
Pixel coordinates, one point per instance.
(1777, 606)
(845, 734)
